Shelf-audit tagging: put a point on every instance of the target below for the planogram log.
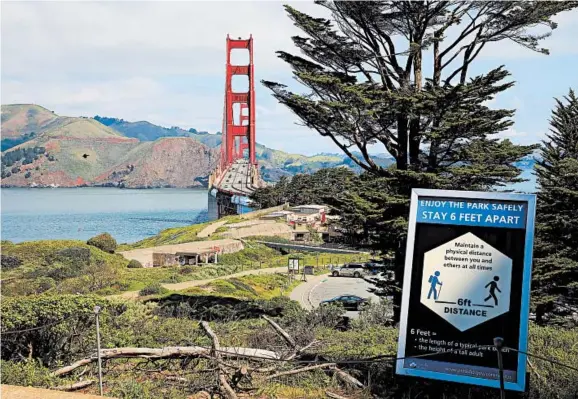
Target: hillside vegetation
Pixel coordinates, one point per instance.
(83, 152)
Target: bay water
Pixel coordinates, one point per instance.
(80, 213)
(128, 215)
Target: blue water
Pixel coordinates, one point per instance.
(81, 213)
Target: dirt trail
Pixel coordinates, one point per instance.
(210, 229)
(17, 392)
(196, 283)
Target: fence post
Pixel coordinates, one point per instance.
(499, 343)
(97, 311)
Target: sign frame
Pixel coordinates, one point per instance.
(291, 264)
(401, 369)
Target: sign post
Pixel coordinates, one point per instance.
(467, 281)
(293, 267)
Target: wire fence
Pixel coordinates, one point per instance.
(374, 359)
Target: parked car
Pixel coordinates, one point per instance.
(350, 269)
(352, 302)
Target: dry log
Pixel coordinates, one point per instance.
(168, 352)
(239, 375)
(281, 332)
(76, 386)
(301, 370)
(334, 395)
(228, 392)
(347, 378)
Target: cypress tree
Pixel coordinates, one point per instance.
(364, 67)
(555, 282)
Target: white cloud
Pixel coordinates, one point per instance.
(561, 42)
(158, 61)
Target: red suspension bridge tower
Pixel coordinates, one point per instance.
(237, 174)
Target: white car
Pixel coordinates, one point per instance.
(350, 270)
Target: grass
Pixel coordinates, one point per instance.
(265, 286)
(255, 257)
(177, 235)
(118, 278)
(34, 254)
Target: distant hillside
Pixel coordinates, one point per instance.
(22, 122)
(72, 152)
(146, 131)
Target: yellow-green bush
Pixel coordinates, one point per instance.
(103, 241)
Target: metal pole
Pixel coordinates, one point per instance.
(499, 343)
(97, 311)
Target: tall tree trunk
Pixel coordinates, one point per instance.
(414, 125)
(402, 134)
(399, 261)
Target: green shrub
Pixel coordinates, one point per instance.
(69, 256)
(10, 262)
(153, 289)
(30, 373)
(69, 331)
(134, 264)
(104, 242)
(186, 270)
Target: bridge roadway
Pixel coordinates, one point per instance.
(237, 179)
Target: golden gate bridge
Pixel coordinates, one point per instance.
(237, 173)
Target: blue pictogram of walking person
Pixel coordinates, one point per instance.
(434, 281)
(493, 286)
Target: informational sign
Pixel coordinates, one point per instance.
(467, 281)
(294, 264)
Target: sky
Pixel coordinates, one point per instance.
(164, 62)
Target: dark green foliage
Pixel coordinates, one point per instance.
(153, 289)
(26, 155)
(107, 121)
(57, 340)
(210, 307)
(555, 285)
(364, 69)
(10, 262)
(9, 143)
(134, 264)
(28, 174)
(305, 189)
(70, 255)
(104, 242)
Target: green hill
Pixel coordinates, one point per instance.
(71, 152)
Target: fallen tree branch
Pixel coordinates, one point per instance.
(334, 395)
(281, 332)
(76, 386)
(228, 392)
(168, 352)
(301, 350)
(347, 378)
(301, 370)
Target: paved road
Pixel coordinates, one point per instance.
(319, 288)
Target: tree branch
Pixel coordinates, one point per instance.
(228, 392)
